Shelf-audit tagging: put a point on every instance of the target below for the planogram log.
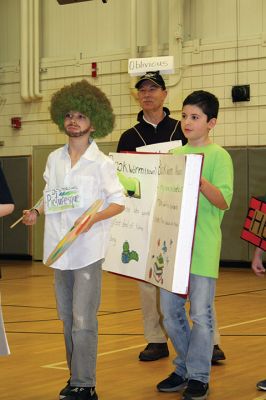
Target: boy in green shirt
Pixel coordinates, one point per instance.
(194, 345)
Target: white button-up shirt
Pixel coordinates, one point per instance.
(95, 176)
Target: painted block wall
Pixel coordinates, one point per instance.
(223, 44)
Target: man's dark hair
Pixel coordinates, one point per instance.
(206, 101)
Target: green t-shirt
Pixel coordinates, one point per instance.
(218, 170)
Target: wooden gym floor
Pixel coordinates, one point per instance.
(36, 368)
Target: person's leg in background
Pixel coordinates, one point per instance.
(154, 332)
(218, 354)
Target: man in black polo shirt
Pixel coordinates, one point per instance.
(154, 126)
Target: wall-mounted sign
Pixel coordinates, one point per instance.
(139, 66)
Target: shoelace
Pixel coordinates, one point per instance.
(81, 389)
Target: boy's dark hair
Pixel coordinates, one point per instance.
(206, 101)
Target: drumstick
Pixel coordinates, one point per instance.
(17, 221)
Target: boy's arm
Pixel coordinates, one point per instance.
(256, 263)
(213, 194)
(110, 211)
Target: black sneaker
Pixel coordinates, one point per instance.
(154, 351)
(173, 383)
(261, 385)
(196, 390)
(65, 391)
(82, 393)
(217, 354)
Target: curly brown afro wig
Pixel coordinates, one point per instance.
(86, 99)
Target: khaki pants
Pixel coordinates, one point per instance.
(154, 331)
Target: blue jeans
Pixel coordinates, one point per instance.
(78, 294)
(193, 345)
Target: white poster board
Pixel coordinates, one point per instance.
(159, 147)
(152, 239)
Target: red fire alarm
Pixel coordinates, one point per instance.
(16, 122)
(94, 69)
